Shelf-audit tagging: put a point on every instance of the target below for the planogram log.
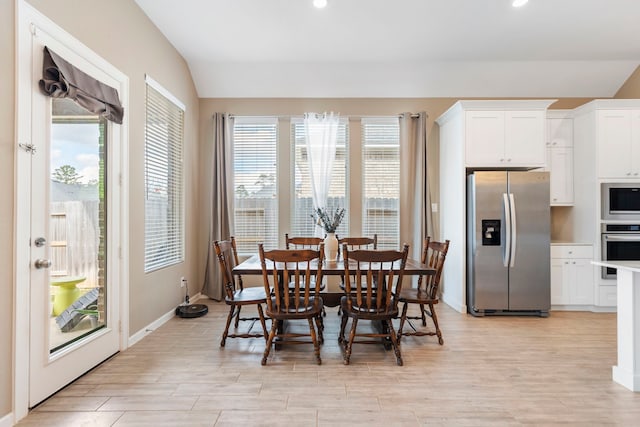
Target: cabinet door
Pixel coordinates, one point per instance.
(561, 175)
(614, 144)
(484, 138)
(525, 138)
(560, 132)
(581, 289)
(559, 281)
(635, 143)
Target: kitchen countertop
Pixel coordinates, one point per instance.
(627, 265)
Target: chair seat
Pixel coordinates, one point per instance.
(374, 313)
(416, 296)
(247, 296)
(302, 311)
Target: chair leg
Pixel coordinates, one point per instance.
(395, 342)
(403, 318)
(320, 327)
(424, 318)
(435, 323)
(226, 329)
(238, 317)
(343, 324)
(316, 346)
(352, 336)
(262, 321)
(267, 348)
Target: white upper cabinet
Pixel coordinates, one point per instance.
(559, 131)
(485, 138)
(524, 138)
(504, 134)
(559, 144)
(618, 143)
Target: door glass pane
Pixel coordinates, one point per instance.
(77, 224)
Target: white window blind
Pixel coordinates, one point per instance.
(255, 183)
(302, 224)
(381, 180)
(164, 198)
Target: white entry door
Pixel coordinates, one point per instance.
(69, 223)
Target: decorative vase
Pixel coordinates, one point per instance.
(331, 247)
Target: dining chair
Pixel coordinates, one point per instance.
(297, 301)
(359, 242)
(356, 243)
(236, 295)
(425, 295)
(305, 242)
(372, 277)
(301, 242)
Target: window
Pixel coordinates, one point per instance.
(164, 198)
(302, 223)
(256, 171)
(255, 183)
(381, 180)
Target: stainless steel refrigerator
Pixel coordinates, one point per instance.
(508, 237)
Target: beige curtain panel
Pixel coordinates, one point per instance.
(60, 79)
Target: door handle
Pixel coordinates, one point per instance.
(514, 230)
(42, 263)
(507, 226)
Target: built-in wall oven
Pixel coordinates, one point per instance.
(620, 242)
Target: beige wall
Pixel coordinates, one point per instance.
(631, 88)
(135, 47)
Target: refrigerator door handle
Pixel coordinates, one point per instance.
(506, 254)
(514, 230)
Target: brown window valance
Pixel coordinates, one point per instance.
(60, 79)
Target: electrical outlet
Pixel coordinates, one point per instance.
(183, 282)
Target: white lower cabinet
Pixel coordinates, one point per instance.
(572, 275)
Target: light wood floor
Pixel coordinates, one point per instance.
(491, 371)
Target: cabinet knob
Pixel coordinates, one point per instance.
(570, 252)
(635, 174)
(628, 173)
(508, 160)
(554, 143)
(502, 160)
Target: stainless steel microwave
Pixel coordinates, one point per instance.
(621, 201)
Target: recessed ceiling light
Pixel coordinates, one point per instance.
(519, 3)
(320, 3)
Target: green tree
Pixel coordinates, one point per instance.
(66, 174)
(241, 191)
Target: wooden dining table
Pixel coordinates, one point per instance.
(252, 266)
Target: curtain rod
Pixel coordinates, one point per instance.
(288, 116)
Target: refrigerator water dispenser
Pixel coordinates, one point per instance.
(490, 232)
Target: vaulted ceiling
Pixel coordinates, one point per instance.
(403, 48)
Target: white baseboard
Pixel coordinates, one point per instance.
(455, 304)
(133, 339)
(592, 308)
(7, 420)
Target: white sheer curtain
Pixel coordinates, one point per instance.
(321, 134)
